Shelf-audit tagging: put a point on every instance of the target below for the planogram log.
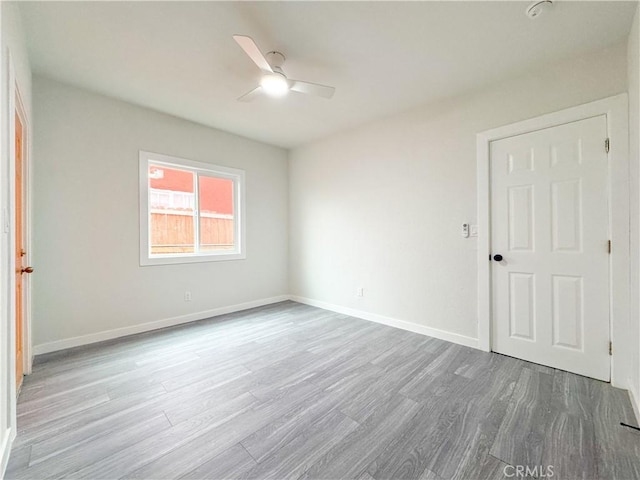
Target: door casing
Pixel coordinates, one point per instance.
(26, 223)
(8, 223)
(616, 110)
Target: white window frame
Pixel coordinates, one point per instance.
(238, 177)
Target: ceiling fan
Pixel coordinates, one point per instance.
(274, 82)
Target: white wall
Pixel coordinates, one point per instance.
(381, 206)
(633, 68)
(87, 276)
(12, 40)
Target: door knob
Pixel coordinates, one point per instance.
(26, 270)
(497, 258)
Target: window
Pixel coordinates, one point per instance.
(189, 211)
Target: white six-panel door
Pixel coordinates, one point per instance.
(549, 222)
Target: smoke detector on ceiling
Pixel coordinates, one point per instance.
(537, 8)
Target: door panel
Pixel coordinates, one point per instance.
(521, 219)
(19, 254)
(549, 210)
(566, 222)
(568, 319)
(521, 306)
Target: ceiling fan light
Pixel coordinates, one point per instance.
(275, 85)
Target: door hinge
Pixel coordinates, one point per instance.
(610, 348)
(609, 246)
(607, 145)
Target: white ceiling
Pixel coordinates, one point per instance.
(382, 57)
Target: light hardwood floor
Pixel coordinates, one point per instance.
(292, 391)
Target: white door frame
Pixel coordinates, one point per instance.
(616, 111)
(26, 212)
(15, 105)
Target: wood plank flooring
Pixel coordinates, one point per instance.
(290, 391)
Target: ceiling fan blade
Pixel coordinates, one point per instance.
(312, 88)
(251, 49)
(247, 97)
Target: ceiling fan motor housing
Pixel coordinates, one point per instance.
(276, 60)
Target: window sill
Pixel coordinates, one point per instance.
(199, 258)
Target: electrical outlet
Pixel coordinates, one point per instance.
(187, 296)
(360, 292)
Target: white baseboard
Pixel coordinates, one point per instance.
(169, 322)
(635, 405)
(146, 327)
(5, 449)
(392, 322)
